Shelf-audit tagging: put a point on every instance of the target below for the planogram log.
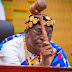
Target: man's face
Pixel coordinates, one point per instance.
(36, 38)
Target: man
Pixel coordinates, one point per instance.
(30, 49)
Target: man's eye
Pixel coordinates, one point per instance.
(39, 32)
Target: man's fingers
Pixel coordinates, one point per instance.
(46, 47)
(47, 52)
(45, 43)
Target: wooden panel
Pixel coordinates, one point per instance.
(33, 69)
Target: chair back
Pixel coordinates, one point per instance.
(6, 29)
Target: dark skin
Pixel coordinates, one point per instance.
(35, 44)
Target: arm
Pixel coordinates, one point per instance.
(47, 53)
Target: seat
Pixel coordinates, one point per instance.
(6, 29)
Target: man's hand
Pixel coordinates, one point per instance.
(47, 53)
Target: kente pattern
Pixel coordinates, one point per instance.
(59, 57)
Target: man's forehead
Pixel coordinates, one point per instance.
(37, 27)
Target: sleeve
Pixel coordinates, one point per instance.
(10, 54)
(60, 60)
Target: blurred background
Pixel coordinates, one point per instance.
(16, 11)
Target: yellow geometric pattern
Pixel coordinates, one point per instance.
(64, 60)
(33, 61)
(58, 65)
(54, 50)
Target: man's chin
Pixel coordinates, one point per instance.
(38, 48)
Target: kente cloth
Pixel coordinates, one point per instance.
(59, 57)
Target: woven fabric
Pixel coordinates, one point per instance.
(59, 57)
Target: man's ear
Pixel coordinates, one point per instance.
(27, 32)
